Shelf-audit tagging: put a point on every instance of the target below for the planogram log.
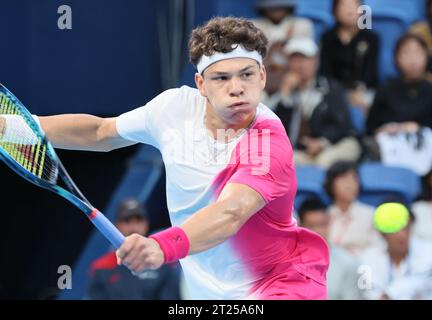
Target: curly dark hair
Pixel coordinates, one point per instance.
(220, 33)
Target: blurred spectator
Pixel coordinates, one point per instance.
(422, 211)
(402, 110)
(402, 269)
(342, 275)
(279, 24)
(351, 220)
(350, 54)
(313, 109)
(423, 29)
(109, 281)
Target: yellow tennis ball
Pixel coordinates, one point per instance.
(391, 217)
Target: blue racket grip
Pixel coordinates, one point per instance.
(107, 228)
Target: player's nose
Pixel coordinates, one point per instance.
(236, 87)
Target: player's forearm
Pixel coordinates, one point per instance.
(221, 220)
(81, 132)
(205, 229)
(212, 225)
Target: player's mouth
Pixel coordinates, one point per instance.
(239, 105)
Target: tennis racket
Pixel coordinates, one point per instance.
(26, 150)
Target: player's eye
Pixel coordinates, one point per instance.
(246, 75)
(220, 78)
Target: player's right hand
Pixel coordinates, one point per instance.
(139, 253)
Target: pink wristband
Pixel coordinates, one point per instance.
(173, 242)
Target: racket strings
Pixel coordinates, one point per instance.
(24, 144)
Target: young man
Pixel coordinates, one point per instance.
(233, 225)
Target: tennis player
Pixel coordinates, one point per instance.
(231, 178)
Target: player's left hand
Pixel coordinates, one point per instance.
(139, 253)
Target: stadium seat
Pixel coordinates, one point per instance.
(310, 181)
(380, 182)
(391, 19)
(238, 8)
(358, 120)
(420, 8)
(320, 14)
(321, 5)
(408, 10)
(389, 29)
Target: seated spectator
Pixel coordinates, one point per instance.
(313, 110)
(423, 29)
(351, 220)
(350, 54)
(402, 110)
(402, 269)
(422, 210)
(342, 276)
(279, 24)
(109, 281)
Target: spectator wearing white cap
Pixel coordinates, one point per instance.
(313, 109)
(279, 24)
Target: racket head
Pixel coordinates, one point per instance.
(23, 144)
(26, 150)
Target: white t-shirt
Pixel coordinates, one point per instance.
(411, 280)
(197, 169)
(422, 227)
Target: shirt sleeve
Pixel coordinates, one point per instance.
(145, 124)
(270, 170)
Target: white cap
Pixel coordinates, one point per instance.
(303, 45)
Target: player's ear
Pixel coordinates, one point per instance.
(263, 77)
(199, 81)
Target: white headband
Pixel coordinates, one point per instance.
(238, 52)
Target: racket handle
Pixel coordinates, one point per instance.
(107, 228)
